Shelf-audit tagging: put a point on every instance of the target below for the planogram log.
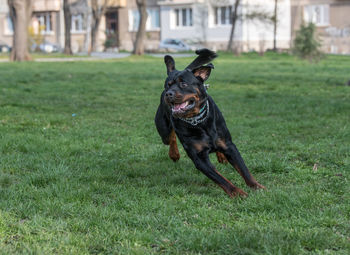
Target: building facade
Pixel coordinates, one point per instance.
(128, 25)
(117, 27)
(209, 23)
(332, 20)
(6, 29)
(204, 22)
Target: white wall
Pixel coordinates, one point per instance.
(249, 32)
(5, 34)
(255, 31)
(168, 29)
(4, 6)
(203, 28)
(221, 33)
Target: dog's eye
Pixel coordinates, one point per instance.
(183, 85)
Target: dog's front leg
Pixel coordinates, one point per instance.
(203, 164)
(173, 150)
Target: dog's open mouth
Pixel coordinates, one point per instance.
(183, 107)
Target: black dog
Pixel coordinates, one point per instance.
(189, 112)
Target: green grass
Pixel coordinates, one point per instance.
(83, 171)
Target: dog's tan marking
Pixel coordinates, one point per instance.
(199, 146)
(251, 182)
(221, 158)
(173, 149)
(195, 110)
(188, 96)
(231, 189)
(221, 143)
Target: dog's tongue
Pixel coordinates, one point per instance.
(178, 107)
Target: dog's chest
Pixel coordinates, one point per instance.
(204, 135)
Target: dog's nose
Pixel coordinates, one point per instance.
(170, 95)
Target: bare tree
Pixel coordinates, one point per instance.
(234, 18)
(139, 48)
(257, 14)
(202, 19)
(98, 8)
(20, 13)
(274, 20)
(67, 27)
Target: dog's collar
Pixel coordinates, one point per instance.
(206, 86)
(202, 116)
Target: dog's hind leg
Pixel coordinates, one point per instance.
(234, 157)
(221, 158)
(203, 164)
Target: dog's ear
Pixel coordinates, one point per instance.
(204, 56)
(170, 63)
(202, 73)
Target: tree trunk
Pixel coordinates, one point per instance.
(275, 27)
(87, 39)
(98, 9)
(139, 48)
(233, 27)
(20, 13)
(67, 28)
(94, 31)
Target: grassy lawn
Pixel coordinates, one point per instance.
(83, 171)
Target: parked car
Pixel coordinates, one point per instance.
(4, 47)
(174, 45)
(46, 47)
(194, 44)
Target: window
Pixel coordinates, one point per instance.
(223, 15)
(153, 19)
(317, 14)
(183, 17)
(152, 23)
(8, 26)
(111, 23)
(77, 23)
(134, 20)
(45, 22)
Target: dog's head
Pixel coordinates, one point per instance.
(184, 90)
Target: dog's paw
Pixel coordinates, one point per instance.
(174, 155)
(257, 185)
(238, 192)
(221, 158)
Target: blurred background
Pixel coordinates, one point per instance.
(85, 26)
